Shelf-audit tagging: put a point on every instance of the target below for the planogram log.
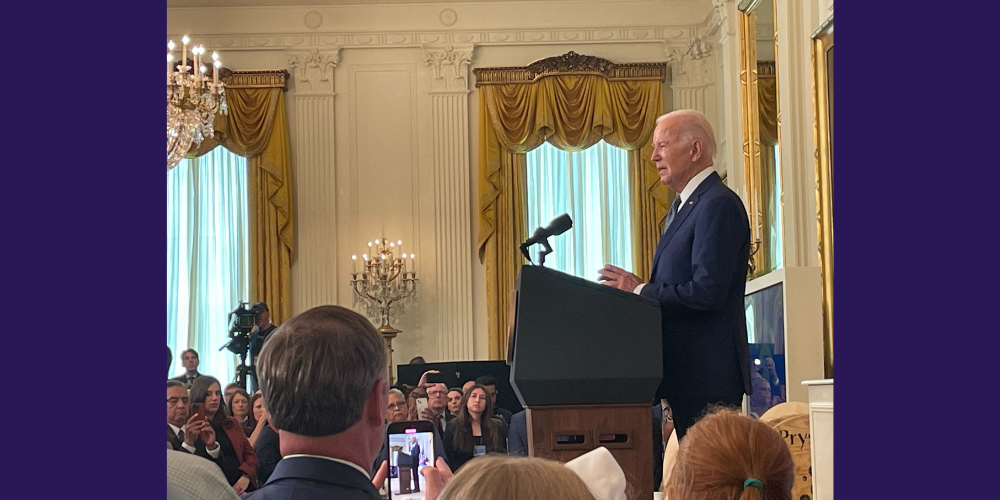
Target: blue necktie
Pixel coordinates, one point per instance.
(671, 213)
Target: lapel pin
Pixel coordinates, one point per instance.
(690, 203)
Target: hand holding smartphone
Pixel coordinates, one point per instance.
(411, 446)
(421, 406)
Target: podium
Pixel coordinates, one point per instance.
(586, 360)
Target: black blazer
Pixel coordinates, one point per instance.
(699, 279)
(308, 478)
(268, 453)
(175, 444)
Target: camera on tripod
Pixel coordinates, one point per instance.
(242, 321)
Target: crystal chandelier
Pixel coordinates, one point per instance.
(192, 100)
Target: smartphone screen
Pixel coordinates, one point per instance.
(411, 446)
(421, 406)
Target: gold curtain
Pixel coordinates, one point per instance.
(571, 112)
(767, 102)
(257, 128)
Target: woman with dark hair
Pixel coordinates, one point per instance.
(474, 431)
(256, 419)
(455, 395)
(238, 460)
(239, 408)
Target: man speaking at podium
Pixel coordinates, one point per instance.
(698, 274)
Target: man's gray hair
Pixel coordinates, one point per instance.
(691, 125)
(318, 369)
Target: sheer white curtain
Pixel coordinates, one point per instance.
(208, 257)
(592, 187)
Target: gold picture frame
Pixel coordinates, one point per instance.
(822, 62)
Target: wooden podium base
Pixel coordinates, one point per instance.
(565, 432)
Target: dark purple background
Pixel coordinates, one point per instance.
(84, 239)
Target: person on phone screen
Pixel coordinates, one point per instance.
(475, 431)
(187, 432)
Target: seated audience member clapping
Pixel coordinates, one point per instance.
(256, 420)
(475, 431)
(727, 456)
(238, 460)
(239, 408)
(186, 432)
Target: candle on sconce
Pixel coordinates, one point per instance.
(170, 57)
(184, 50)
(354, 263)
(215, 72)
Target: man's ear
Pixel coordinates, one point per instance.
(697, 150)
(377, 402)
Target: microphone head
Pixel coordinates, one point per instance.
(559, 225)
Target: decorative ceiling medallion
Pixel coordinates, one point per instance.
(313, 19)
(448, 17)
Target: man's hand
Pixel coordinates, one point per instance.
(207, 435)
(192, 429)
(436, 478)
(241, 485)
(379, 480)
(619, 278)
(428, 414)
(423, 379)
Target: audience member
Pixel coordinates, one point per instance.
(455, 400)
(505, 478)
(230, 390)
(256, 419)
(490, 383)
(725, 456)
(268, 449)
(239, 408)
(192, 478)
(238, 461)
(418, 360)
(170, 359)
(187, 432)
(411, 401)
(517, 435)
(474, 432)
(323, 376)
(189, 358)
(437, 407)
(467, 385)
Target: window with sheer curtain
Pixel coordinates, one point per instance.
(208, 260)
(592, 187)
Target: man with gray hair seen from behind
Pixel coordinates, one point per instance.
(323, 375)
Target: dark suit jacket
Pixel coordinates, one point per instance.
(182, 378)
(699, 277)
(175, 444)
(268, 453)
(505, 414)
(308, 478)
(517, 435)
(414, 453)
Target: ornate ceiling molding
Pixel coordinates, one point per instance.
(690, 66)
(257, 79)
(571, 63)
(450, 65)
(657, 34)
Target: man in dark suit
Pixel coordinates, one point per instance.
(190, 360)
(698, 274)
(490, 383)
(415, 463)
(329, 411)
(517, 435)
(184, 432)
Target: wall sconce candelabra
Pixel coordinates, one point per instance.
(383, 282)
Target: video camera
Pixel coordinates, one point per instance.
(243, 319)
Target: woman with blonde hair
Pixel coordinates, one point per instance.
(497, 477)
(728, 456)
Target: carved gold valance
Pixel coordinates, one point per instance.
(256, 79)
(571, 63)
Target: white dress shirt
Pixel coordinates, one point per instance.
(686, 193)
(212, 453)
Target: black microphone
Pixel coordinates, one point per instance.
(558, 226)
